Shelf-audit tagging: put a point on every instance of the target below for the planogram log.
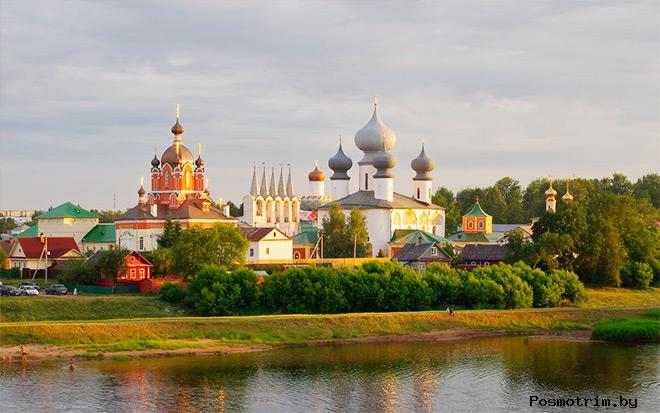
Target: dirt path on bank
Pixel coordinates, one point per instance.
(207, 347)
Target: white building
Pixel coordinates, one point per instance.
(384, 209)
(268, 243)
(272, 205)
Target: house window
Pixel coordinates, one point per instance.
(481, 224)
(473, 263)
(141, 273)
(417, 193)
(470, 224)
(274, 234)
(251, 252)
(296, 255)
(141, 247)
(132, 273)
(267, 251)
(434, 251)
(486, 264)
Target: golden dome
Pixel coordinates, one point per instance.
(174, 156)
(316, 175)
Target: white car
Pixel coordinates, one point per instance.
(28, 290)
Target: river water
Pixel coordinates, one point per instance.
(478, 375)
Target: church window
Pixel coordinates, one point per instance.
(188, 178)
(167, 180)
(296, 255)
(366, 181)
(251, 252)
(418, 193)
(481, 224)
(141, 241)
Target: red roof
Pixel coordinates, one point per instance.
(57, 246)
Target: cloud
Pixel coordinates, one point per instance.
(496, 88)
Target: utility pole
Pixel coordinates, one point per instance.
(114, 202)
(355, 246)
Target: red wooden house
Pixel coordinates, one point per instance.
(138, 268)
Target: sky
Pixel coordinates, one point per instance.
(525, 89)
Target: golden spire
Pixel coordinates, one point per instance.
(142, 181)
(177, 111)
(199, 149)
(375, 101)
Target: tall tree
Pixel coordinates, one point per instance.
(170, 234)
(445, 198)
(107, 216)
(197, 247)
(335, 242)
(358, 233)
(618, 184)
(648, 187)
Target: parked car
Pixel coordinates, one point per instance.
(9, 290)
(28, 283)
(56, 289)
(28, 290)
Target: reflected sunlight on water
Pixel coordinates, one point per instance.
(498, 374)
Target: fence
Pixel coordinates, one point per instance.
(95, 289)
(324, 262)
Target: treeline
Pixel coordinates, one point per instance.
(375, 287)
(508, 203)
(607, 239)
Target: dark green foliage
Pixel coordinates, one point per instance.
(445, 198)
(13, 272)
(111, 263)
(7, 224)
(216, 291)
(628, 330)
(636, 275)
(161, 260)
(378, 286)
(171, 293)
(344, 237)
(107, 216)
(77, 272)
(170, 234)
(197, 247)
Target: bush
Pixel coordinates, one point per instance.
(637, 275)
(77, 272)
(446, 285)
(171, 293)
(216, 291)
(573, 289)
(517, 293)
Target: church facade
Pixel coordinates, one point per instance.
(179, 192)
(385, 210)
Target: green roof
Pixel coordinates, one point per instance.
(476, 211)
(101, 233)
(411, 236)
(29, 233)
(478, 237)
(67, 210)
(306, 237)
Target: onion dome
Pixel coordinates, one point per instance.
(383, 162)
(155, 162)
(177, 129)
(199, 162)
(316, 175)
(340, 164)
(567, 197)
(177, 154)
(423, 165)
(551, 191)
(141, 191)
(374, 137)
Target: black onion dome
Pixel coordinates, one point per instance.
(340, 164)
(423, 165)
(384, 162)
(199, 162)
(155, 162)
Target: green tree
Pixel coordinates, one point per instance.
(112, 262)
(618, 184)
(357, 231)
(336, 243)
(170, 234)
(648, 187)
(445, 198)
(7, 224)
(196, 247)
(235, 211)
(77, 272)
(107, 216)
(162, 261)
(512, 194)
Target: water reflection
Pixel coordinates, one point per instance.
(474, 375)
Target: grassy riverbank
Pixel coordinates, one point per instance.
(43, 308)
(221, 333)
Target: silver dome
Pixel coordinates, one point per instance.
(423, 165)
(383, 162)
(340, 164)
(373, 137)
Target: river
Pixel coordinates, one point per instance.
(477, 375)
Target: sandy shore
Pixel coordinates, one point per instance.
(36, 352)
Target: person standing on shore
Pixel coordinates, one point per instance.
(23, 353)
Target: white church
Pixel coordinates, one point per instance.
(385, 210)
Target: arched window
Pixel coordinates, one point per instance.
(397, 219)
(410, 219)
(188, 178)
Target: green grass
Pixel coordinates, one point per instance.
(38, 308)
(164, 333)
(621, 297)
(628, 330)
